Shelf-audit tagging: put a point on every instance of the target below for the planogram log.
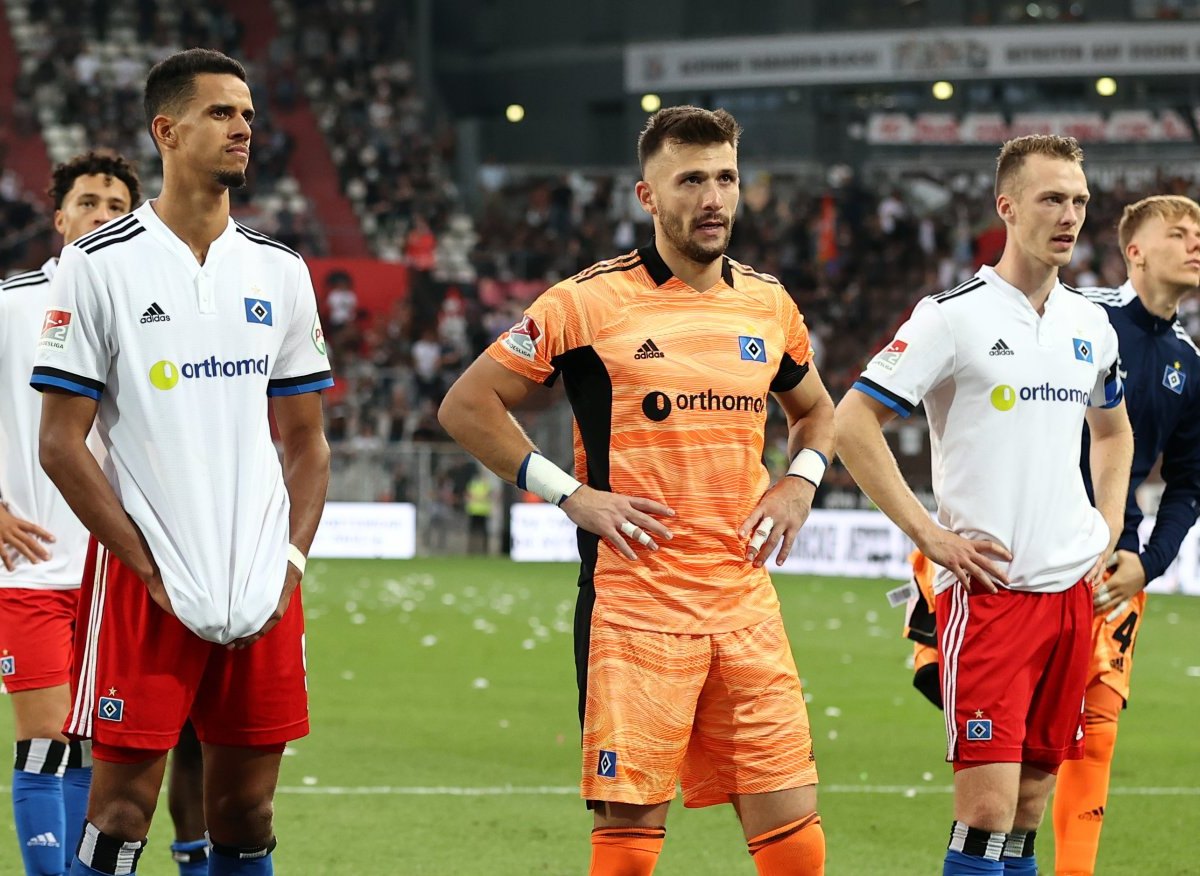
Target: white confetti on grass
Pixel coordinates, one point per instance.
(347, 675)
(309, 781)
(358, 618)
(481, 684)
(833, 712)
(1193, 672)
(910, 792)
(449, 599)
(927, 776)
(1172, 618)
(528, 644)
(429, 641)
(834, 623)
(833, 734)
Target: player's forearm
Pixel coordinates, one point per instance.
(866, 455)
(306, 478)
(483, 426)
(815, 429)
(77, 475)
(1111, 457)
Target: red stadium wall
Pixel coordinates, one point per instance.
(377, 284)
(24, 151)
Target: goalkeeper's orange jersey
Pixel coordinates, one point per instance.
(669, 390)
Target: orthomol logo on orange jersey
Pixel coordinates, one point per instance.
(659, 405)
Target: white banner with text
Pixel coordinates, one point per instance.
(914, 55)
(853, 544)
(380, 530)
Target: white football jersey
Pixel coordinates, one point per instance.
(182, 358)
(1005, 392)
(23, 485)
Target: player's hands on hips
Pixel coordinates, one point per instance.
(622, 520)
(776, 520)
(290, 583)
(1125, 579)
(969, 559)
(20, 536)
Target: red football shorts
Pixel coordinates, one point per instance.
(36, 629)
(139, 673)
(1014, 669)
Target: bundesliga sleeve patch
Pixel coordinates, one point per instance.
(890, 356)
(56, 329)
(523, 338)
(318, 335)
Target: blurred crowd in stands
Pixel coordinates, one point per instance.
(855, 252)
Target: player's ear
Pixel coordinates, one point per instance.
(1134, 256)
(1004, 207)
(645, 196)
(60, 221)
(162, 129)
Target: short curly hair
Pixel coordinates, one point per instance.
(110, 164)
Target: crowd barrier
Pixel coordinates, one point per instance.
(856, 544)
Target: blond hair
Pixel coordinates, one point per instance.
(1166, 207)
(1014, 152)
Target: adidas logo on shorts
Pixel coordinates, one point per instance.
(154, 313)
(1001, 349)
(649, 350)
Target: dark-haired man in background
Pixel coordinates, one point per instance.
(42, 545)
(199, 536)
(668, 355)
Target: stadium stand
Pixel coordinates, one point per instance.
(350, 158)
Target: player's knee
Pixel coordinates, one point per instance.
(124, 818)
(990, 813)
(241, 820)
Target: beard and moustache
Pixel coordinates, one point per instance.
(230, 179)
(678, 236)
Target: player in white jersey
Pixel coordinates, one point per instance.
(39, 586)
(1009, 366)
(42, 543)
(170, 328)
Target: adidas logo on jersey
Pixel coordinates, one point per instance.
(43, 839)
(1001, 349)
(649, 350)
(154, 313)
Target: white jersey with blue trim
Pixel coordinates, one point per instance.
(182, 358)
(26, 489)
(1005, 391)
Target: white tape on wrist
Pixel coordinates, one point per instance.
(809, 464)
(296, 558)
(543, 478)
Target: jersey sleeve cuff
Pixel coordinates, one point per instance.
(56, 378)
(300, 385)
(884, 396)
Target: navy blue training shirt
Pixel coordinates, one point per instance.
(1161, 371)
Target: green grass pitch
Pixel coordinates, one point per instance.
(445, 740)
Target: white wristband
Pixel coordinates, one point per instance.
(541, 477)
(296, 558)
(809, 464)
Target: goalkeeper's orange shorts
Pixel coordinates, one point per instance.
(720, 713)
(1112, 646)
